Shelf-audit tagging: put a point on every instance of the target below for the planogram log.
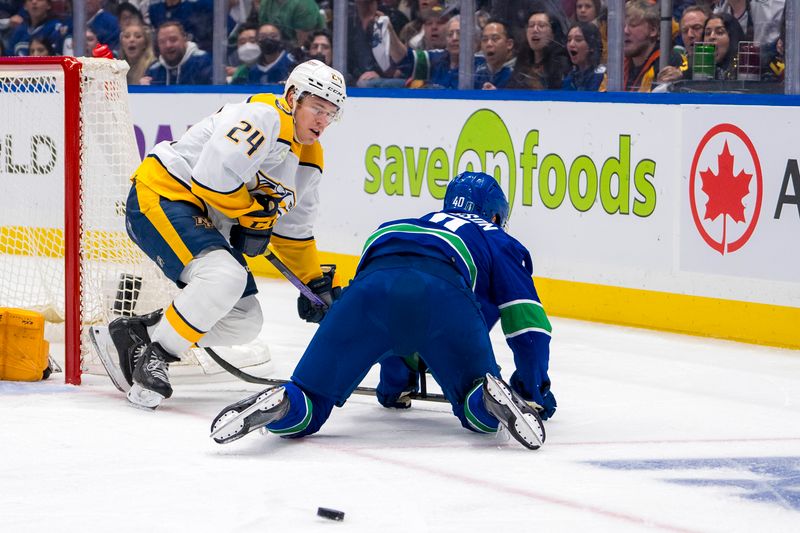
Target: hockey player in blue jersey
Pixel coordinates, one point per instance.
(432, 286)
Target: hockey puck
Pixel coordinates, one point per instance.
(330, 514)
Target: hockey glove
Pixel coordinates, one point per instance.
(251, 235)
(322, 287)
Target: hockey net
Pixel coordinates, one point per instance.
(67, 151)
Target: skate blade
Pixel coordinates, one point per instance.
(526, 427)
(143, 398)
(101, 340)
(229, 425)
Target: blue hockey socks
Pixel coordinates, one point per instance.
(475, 412)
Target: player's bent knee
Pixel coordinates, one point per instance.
(220, 269)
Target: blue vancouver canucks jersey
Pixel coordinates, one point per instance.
(497, 267)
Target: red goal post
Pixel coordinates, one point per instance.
(67, 150)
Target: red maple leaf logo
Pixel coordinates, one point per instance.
(725, 190)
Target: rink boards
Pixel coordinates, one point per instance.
(675, 215)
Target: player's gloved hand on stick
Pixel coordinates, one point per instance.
(322, 287)
(251, 235)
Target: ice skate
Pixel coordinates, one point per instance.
(520, 419)
(151, 377)
(107, 353)
(130, 337)
(250, 414)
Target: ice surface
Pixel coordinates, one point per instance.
(654, 432)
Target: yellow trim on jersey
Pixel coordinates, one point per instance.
(181, 326)
(311, 154)
(232, 204)
(286, 133)
(158, 179)
(301, 257)
(150, 207)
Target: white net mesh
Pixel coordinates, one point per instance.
(117, 278)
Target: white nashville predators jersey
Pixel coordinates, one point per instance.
(244, 149)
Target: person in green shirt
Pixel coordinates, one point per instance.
(295, 18)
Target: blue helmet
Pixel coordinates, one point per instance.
(479, 193)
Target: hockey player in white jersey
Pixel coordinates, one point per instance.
(239, 179)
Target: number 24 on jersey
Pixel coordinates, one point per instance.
(245, 131)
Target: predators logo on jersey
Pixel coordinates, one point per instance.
(276, 190)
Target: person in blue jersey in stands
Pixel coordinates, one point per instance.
(38, 23)
(180, 61)
(430, 287)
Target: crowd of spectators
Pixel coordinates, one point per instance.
(519, 44)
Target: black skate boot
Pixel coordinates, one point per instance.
(130, 337)
(254, 412)
(513, 412)
(151, 377)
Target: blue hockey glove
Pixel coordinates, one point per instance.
(322, 287)
(251, 235)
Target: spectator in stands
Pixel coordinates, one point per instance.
(437, 68)
(321, 47)
(542, 61)
(412, 32)
(517, 12)
(104, 25)
(128, 13)
(587, 10)
(390, 8)
(39, 22)
(777, 65)
(296, 19)
(41, 46)
(640, 47)
(497, 46)
(594, 12)
(369, 47)
(434, 30)
(91, 42)
(585, 48)
(247, 50)
(180, 61)
(760, 21)
(136, 47)
(11, 16)
(273, 65)
(724, 32)
(692, 25)
(144, 9)
(195, 16)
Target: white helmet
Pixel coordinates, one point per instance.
(317, 78)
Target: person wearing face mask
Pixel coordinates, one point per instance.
(273, 64)
(245, 51)
(244, 177)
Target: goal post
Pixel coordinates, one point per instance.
(67, 151)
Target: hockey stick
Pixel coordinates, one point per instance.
(316, 300)
(364, 391)
(294, 280)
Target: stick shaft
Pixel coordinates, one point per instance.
(294, 280)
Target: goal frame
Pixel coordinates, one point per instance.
(72, 70)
